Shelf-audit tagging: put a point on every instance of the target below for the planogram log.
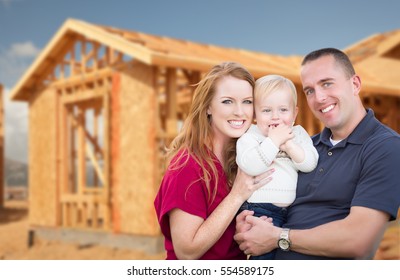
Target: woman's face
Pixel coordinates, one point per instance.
(231, 108)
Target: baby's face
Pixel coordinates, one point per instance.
(274, 109)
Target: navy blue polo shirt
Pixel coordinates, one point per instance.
(361, 170)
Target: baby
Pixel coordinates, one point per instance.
(275, 143)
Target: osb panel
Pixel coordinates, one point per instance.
(136, 188)
(42, 159)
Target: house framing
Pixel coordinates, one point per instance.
(104, 102)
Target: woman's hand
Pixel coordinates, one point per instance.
(245, 185)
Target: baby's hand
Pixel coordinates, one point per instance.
(280, 134)
(289, 144)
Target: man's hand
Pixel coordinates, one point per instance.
(262, 237)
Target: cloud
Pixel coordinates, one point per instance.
(26, 49)
(15, 60)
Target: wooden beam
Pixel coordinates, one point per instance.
(82, 96)
(95, 136)
(81, 151)
(172, 104)
(83, 57)
(64, 149)
(72, 62)
(96, 47)
(71, 151)
(95, 163)
(92, 77)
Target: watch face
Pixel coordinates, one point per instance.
(284, 244)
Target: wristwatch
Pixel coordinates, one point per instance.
(284, 242)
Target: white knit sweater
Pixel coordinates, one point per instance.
(257, 154)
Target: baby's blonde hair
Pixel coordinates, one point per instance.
(270, 83)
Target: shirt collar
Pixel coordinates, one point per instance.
(364, 129)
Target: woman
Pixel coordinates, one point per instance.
(202, 188)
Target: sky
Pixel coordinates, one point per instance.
(284, 27)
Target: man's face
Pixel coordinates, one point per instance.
(330, 93)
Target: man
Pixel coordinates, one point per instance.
(343, 206)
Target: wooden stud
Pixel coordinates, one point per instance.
(81, 152)
(95, 163)
(83, 57)
(172, 121)
(72, 174)
(72, 62)
(96, 139)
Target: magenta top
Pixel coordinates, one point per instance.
(183, 188)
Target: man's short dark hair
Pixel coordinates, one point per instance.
(340, 57)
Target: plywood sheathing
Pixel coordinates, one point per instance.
(137, 188)
(42, 158)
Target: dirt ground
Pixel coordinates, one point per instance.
(14, 230)
(14, 237)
